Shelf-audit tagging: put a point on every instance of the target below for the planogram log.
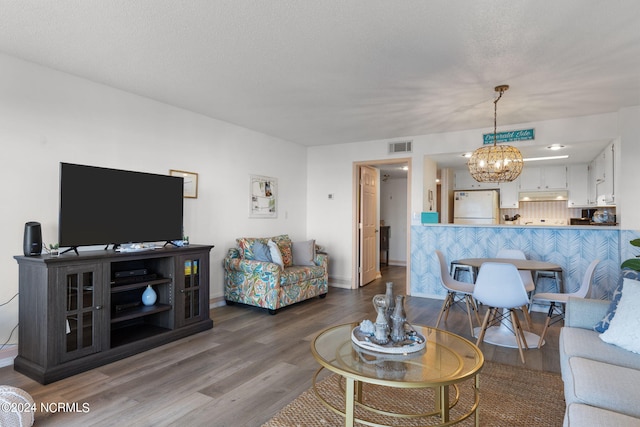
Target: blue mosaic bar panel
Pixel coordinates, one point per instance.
(573, 248)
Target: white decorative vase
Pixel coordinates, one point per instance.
(149, 296)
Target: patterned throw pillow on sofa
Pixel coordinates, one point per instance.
(284, 244)
(245, 246)
(603, 325)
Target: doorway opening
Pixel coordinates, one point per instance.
(381, 191)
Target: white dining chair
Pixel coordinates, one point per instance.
(558, 301)
(456, 292)
(499, 286)
(527, 279)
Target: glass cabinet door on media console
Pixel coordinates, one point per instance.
(83, 317)
(191, 305)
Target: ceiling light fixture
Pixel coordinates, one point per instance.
(495, 163)
(535, 159)
(555, 147)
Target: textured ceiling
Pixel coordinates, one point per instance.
(335, 71)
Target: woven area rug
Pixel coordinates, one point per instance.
(509, 396)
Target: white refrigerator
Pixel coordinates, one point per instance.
(476, 207)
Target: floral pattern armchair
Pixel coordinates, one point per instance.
(266, 284)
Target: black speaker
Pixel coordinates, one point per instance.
(32, 239)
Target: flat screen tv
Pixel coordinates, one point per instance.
(101, 206)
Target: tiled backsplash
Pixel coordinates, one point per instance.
(557, 210)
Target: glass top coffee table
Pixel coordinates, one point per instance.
(447, 360)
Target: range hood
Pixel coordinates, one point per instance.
(543, 196)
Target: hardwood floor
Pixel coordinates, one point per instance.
(242, 371)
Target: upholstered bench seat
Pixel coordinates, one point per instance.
(578, 342)
(604, 385)
(600, 379)
(579, 414)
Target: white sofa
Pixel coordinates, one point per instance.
(601, 381)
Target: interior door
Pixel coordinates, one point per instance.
(368, 226)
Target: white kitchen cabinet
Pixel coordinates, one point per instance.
(555, 177)
(543, 178)
(464, 181)
(530, 178)
(578, 182)
(509, 194)
(598, 168)
(591, 184)
(605, 169)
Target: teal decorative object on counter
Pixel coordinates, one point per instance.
(429, 217)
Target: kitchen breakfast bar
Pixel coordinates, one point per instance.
(571, 247)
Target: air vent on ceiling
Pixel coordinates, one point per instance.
(400, 147)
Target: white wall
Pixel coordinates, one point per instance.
(627, 164)
(47, 117)
(429, 185)
(330, 171)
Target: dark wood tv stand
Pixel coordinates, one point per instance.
(75, 314)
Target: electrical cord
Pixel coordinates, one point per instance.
(5, 303)
(9, 339)
(14, 328)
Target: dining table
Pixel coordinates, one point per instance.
(503, 335)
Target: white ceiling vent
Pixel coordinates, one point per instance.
(400, 147)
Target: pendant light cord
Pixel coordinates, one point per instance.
(495, 118)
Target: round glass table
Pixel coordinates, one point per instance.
(447, 360)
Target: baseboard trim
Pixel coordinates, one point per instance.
(430, 296)
(7, 355)
(216, 302)
(340, 282)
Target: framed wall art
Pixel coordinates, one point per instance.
(263, 193)
(190, 183)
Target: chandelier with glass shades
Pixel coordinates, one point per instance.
(495, 163)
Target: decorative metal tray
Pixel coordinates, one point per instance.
(413, 342)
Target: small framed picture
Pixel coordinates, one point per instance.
(263, 197)
(190, 183)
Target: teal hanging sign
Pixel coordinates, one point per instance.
(512, 135)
